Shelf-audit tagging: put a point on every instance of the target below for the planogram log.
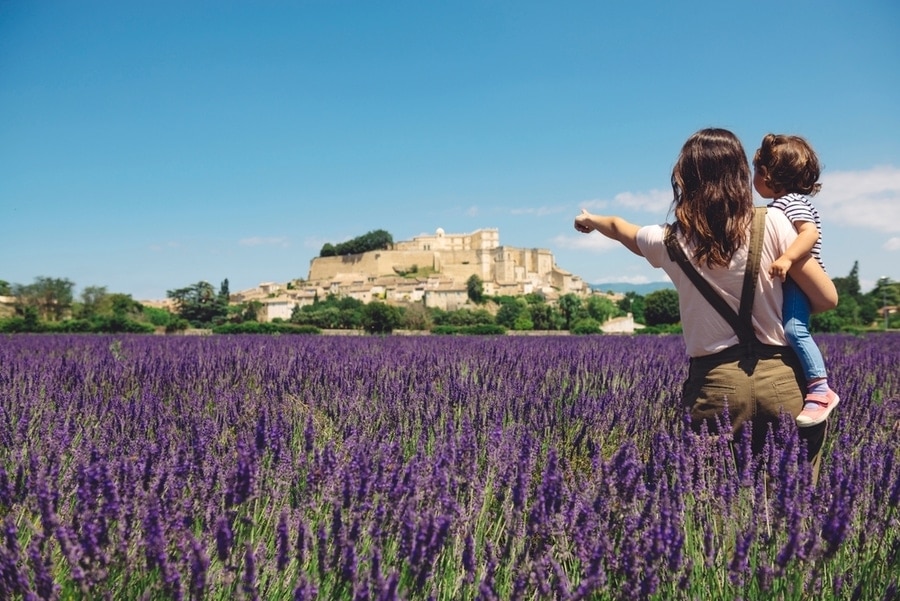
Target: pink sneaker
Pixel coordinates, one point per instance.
(817, 408)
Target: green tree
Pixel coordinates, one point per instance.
(416, 317)
(51, 297)
(199, 304)
(661, 307)
(224, 292)
(123, 305)
(886, 293)
(374, 240)
(849, 285)
(510, 309)
(633, 303)
(5, 288)
(569, 305)
(523, 322)
(543, 317)
(380, 318)
(158, 317)
(461, 317)
(601, 308)
(92, 298)
(475, 289)
(587, 326)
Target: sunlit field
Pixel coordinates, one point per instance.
(432, 467)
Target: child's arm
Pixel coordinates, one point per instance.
(807, 236)
(611, 227)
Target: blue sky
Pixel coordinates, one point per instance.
(146, 146)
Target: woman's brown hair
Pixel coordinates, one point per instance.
(713, 199)
(788, 164)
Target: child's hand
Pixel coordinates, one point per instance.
(583, 222)
(780, 268)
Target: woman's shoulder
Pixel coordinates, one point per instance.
(777, 219)
(651, 239)
(653, 231)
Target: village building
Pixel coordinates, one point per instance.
(432, 269)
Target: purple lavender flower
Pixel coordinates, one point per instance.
(305, 591)
(199, 568)
(41, 566)
(224, 538)
(739, 565)
(282, 543)
(248, 582)
(300, 546)
(154, 538)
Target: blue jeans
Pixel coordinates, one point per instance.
(796, 312)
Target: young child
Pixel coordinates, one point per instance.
(786, 170)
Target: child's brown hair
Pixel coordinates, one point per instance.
(789, 164)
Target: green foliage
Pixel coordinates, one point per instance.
(461, 317)
(20, 325)
(830, 321)
(601, 308)
(200, 305)
(856, 310)
(255, 327)
(586, 326)
(5, 288)
(511, 307)
(849, 286)
(672, 328)
(120, 324)
(545, 317)
(523, 322)
(416, 317)
(332, 313)
(374, 240)
(380, 318)
(98, 324)
(661, 307)
(633, 303)
(483, 329)
(475, 289)
(569, 305)
(178, 324)
(51, 297)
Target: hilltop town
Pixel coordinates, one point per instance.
(432, 269)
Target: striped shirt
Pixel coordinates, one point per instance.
(797, 207)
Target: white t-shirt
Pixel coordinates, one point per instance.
(705, 331)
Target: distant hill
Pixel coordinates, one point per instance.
(623, 287)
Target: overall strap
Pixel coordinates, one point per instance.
(741, 323)
(754, 252)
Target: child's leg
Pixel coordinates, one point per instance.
(796, 329)
(820, 399)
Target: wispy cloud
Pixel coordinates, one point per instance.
(539, 211)
(653, 201)
(472, 211)
(593, 242)
(892, 244)
(867, 199)
(166, 246)
(279, 241)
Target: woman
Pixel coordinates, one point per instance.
(740, 360)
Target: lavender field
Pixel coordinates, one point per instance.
(445, 468)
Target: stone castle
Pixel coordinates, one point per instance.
(429, 269)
